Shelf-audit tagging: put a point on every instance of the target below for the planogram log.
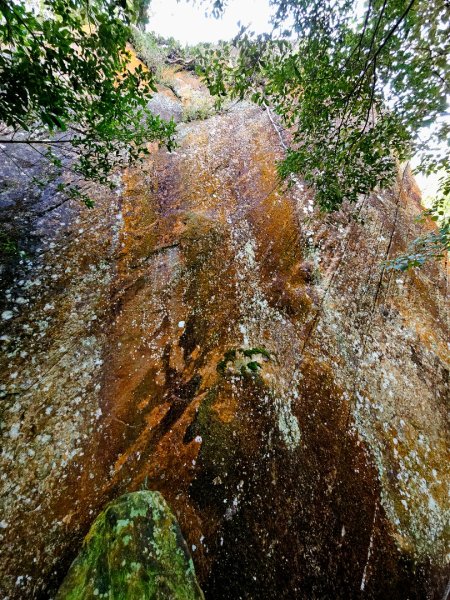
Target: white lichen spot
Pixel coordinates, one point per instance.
(432, 503)
(288, 424)
(243, 330)
(250, 253)
(14, 431)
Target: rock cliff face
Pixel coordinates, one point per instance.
(205, 333)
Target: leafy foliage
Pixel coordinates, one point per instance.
(158, 52)
(241, 360)
(8, 245)
(66, 83)
(139, 12)
(150, 50)
(351, 91)
(434, 244)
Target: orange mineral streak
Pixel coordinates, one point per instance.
(282, 480)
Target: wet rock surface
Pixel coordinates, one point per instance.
(206, 333)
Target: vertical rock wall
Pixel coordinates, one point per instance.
(205, 333)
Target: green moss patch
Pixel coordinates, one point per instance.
(133, 551)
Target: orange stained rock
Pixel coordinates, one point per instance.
(286, 480)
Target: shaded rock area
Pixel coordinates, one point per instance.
(205, 332)
(134, 550)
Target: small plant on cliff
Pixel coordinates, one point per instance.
(67, 92)
(352, 83)
(245, 361)
(250, 352)
(434, 244)
(198, 109)
(8, 246)
(150, 51)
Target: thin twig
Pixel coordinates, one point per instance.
(381, 46)
(269, 113)
(358, 46)
(15, 163)
(12, 141)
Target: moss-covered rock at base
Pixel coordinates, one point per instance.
(133, 551)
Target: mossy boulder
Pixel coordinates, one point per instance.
(133, 551)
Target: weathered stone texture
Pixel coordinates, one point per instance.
(315, 466)
(134, 550)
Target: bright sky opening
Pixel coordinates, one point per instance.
(188, 23)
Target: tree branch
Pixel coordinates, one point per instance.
(358, 45)
(382, 45)
(29, 142)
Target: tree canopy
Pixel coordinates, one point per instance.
(139, 12)
(67, 91)
(353, 84)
